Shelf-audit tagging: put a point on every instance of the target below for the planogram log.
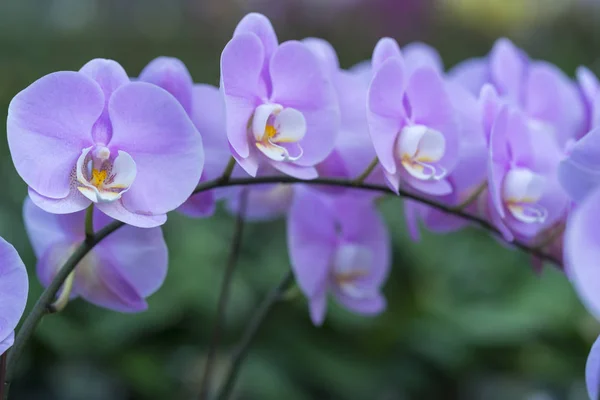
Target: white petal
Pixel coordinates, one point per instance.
(261, 116)
(108, 197)
(521, 185)
(290, 125)
(275, 153)
(408, 140)
(80, 166)
(85, 187)
(280, 153)
(419, 171)
(424, 171)
(124, 171)
(90, 192)
(431, 146)
(352, 259)
(528, 213)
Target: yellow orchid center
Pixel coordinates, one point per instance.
(270, 132)
(98, 177)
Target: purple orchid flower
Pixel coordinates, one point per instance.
(205, 106)
(582, 249)
(580, 176)
(339, 245)
(524, 192)
(592, 371)
(336, 165)
(541, 90)
(412, 123)
(14, 287)
(589, 87)
(469, 175)
(119, 273)
(281, 108)
(579, 173)
(353, 150)
(94, 137)
(350, 156)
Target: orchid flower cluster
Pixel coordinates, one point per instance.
(509, 140)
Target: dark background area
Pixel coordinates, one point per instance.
(467, 317)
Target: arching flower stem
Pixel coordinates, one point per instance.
(42, 306)
(89, 223)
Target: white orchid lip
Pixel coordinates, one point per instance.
(521, 191)
(101, 179)
(419, 148)
(278, 131)
(351, 263)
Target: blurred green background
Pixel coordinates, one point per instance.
(467, 318)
